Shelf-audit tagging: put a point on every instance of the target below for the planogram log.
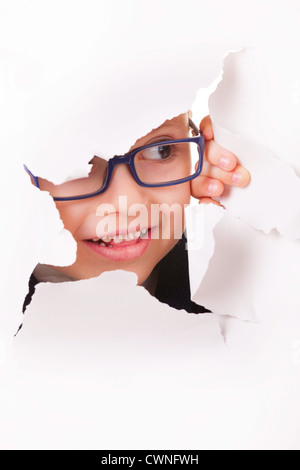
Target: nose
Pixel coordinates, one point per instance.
(123, 183)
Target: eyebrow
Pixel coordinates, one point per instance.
(170, 126)
(189, 125)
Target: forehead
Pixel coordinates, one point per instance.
(175, 128)
(179, 122)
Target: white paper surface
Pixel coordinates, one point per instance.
(271, 201)
(233, 281)
(106, 375)
(261, 88)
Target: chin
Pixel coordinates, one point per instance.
(142, 278)
(142, 267)
(79, 275)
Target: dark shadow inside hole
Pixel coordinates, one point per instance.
(172, 280)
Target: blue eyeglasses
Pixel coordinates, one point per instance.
(159, 164)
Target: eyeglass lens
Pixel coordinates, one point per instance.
(153, 165)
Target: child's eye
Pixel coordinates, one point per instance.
(162, 152)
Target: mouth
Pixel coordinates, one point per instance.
(121, 247)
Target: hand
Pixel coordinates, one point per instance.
(220, 168)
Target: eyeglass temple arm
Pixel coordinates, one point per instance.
(195, 129)
(35, 178)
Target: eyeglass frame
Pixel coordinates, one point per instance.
(128, 159)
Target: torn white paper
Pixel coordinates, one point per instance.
(121, 370)
(271, 201)
(103, 355)
(245, 263)
(261, 89)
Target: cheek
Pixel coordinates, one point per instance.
(172, 201)
(71, 214)
(177, 194)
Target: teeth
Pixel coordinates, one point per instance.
(117, 240)
(120, 238)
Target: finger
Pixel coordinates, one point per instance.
(206, 128)
(239, 177)
(220, 157)
(203, 186)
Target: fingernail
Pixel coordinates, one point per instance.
(224, 163)
(213, 188)
(237, 178)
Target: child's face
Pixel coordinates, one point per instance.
(139, 256)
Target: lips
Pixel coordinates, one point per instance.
(121, 247)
